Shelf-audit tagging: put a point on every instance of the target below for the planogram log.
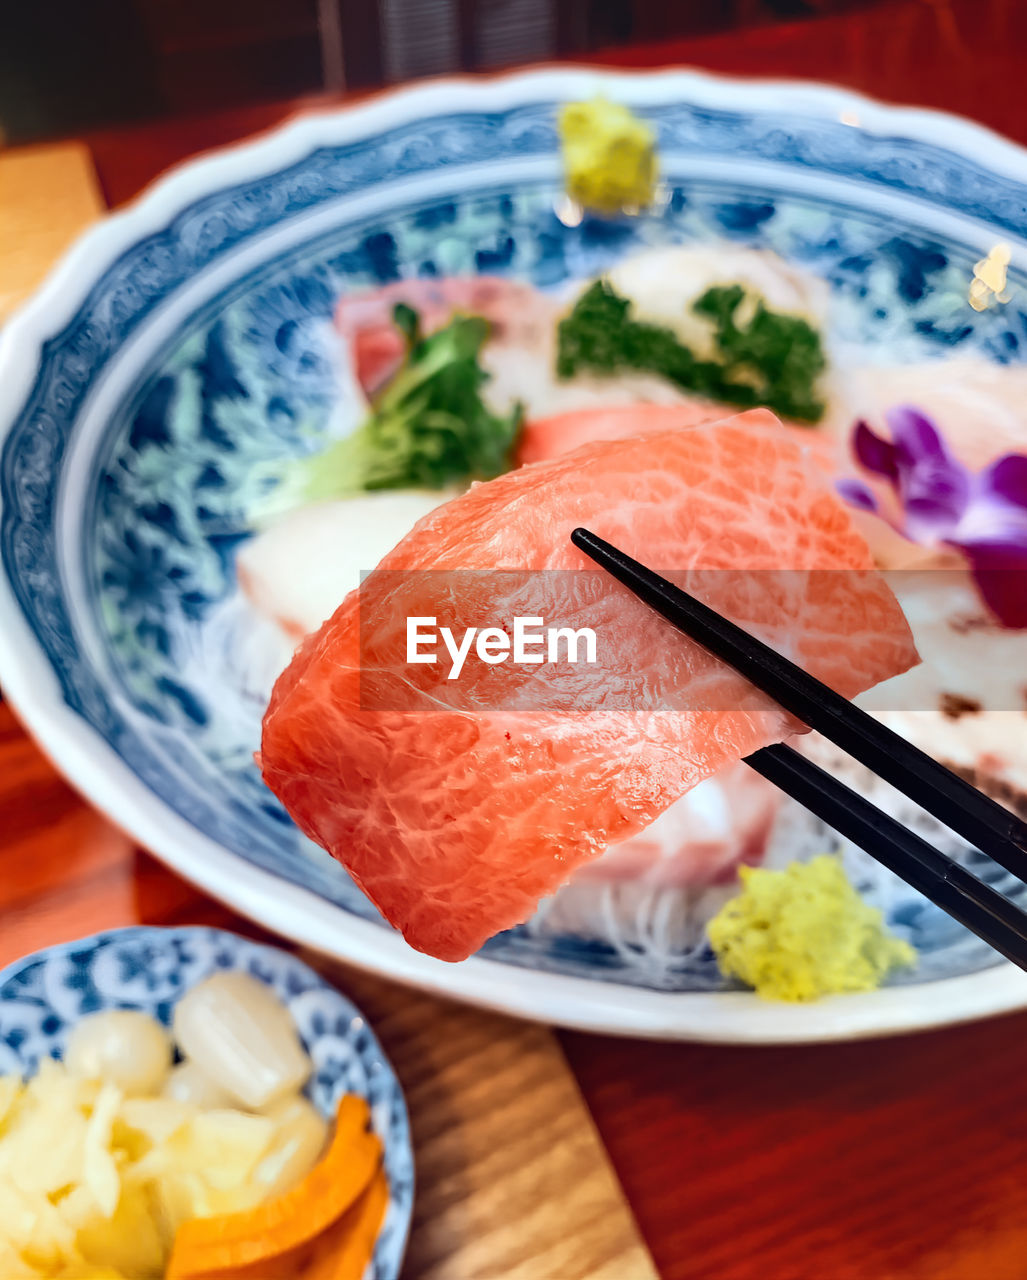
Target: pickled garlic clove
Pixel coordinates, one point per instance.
(123, 1047)
(237, 1032)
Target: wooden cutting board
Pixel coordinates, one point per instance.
(513, 1182)
(512, 1178)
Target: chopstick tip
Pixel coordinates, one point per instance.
(589, 542)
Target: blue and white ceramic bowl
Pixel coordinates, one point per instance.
(44, 995)
(185, 345)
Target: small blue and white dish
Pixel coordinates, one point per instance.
(186, 344)
(150, 969)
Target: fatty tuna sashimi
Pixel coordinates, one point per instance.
(455, 823)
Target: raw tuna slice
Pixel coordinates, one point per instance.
(549, 437)
(558, 433)
(456, 824)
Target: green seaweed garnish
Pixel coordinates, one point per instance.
(429, 426)
(770, 358)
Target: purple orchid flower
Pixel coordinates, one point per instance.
(982, 514)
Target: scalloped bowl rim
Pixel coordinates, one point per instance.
(82, 755)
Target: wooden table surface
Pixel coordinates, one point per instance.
(552, 1156)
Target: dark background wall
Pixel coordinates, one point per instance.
(69, 65)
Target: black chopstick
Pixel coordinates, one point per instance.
(960, 806)
(950, 886)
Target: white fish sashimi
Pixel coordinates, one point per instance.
(299, 570)
(980, 407)
(662, 284)
(701, 838)
(969, 713)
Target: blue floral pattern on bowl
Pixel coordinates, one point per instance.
(44, 995)
(209, 344)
